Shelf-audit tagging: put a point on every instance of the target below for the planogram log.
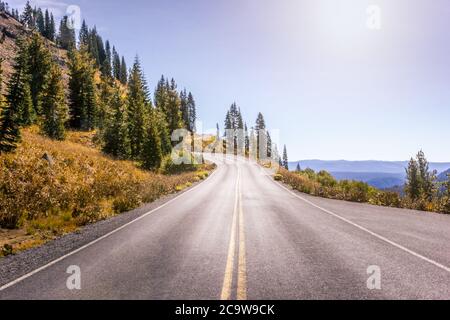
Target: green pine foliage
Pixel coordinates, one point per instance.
(84, 35)
(10, 117)
(123, 74)
(173, 111)
(164, 133)
(93, 46)
(106, 66)
(184, 109)
(137, 108)
(19, 99)
(115, 64)
(152, 153)
(54, 108)
(192, 112)
(26, 109)
(27, 17)
(9, 129)
(39, 63)
(188, 110)
(40, 22)
(412, 187)
(116, 141)
(168, 103)
(285, 158)
(83, 102)
(66, 38)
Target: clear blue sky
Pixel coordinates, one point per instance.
(335, 88)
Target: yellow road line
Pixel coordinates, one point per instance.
(228, 278)
(237, 222)
(242, 266)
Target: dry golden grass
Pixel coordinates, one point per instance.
(79, 185)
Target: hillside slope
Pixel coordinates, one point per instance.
(49, 188)
(12, 30)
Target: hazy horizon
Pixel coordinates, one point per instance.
(335, 88)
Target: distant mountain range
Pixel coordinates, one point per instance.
(443, 176)
(379, 174)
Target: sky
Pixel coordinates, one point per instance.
(339, 79)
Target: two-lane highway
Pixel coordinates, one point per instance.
(241, 235)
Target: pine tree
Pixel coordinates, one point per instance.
(27, 16)
(164, 133)
(269, 145)
(53, 106)
(106, 66)
(40, 23)
(285, 158)
(83, 104)
(427, 178)
(116, 64)
(184, 109)
(260, 122)
(192, 111)
(137, 111)
(298, 169)
(115, 137)
(101, 49)
(247, 141)
(261, 136)
(412, 187)
(39, 64)
(9, 128)
(160, 95)
(10, 117)
(123, 76)
(4, 7)
(228, 125)
(84, 35)
(93, 46)
(161, 98)
(173, 112)
(46, 33)
(152, 152)
(26, 109)
(51, 29)
(66, 38)
(19, 98)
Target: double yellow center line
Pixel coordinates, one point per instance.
(237, 234)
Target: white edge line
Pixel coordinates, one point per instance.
(26, 276)
(380, 237)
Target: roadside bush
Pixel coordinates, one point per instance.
(384, 198)
(323, 184)
(79, 180)
(168, 167)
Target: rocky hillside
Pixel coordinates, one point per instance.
(10, 31)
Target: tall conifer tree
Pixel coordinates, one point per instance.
(123, 76)
(82, 99)
(115, 136)
(39, 63)
(53, 106)
(137, 108)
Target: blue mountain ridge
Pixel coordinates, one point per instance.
(379, 174)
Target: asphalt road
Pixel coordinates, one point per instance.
(241, 235)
